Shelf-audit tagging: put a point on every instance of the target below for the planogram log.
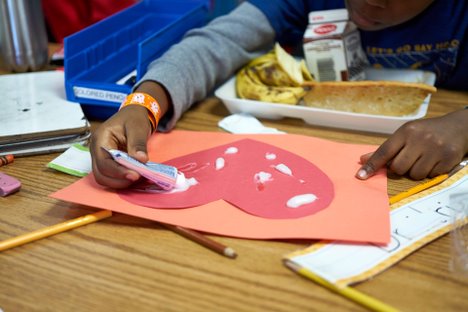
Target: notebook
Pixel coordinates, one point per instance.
(35, 116)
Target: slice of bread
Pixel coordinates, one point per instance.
(390, 98)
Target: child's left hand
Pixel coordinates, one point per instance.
(421, 148)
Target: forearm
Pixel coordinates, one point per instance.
(206, 57)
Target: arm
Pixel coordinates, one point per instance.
(208, 56)
(182, 76)
(421, 148)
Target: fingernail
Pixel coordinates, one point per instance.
(362, 174)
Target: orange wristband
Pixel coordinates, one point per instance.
(145, 100)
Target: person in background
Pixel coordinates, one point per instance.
(394, 34)
(65, 17)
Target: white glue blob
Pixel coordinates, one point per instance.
(284, 169)
(262, 177)
(231, 150)
(183, 184)
(300, 200)
(180, 181)
(270, 156)
(219, 163)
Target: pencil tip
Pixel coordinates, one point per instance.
(229, 252)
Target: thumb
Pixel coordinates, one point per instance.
(137, 138)
(136, 147)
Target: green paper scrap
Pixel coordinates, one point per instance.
(75, 161)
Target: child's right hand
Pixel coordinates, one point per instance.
(128, 130)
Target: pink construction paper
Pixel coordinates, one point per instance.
(359, 211)
(238, 180)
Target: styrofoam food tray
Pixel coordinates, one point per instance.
(331, 118)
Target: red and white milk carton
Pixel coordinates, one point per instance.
(332, 47)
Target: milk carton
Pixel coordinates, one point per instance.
(332, 47)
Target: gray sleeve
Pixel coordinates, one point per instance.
(208, 56)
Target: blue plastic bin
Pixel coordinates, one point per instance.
(97, 57)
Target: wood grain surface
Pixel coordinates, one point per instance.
(128, 264)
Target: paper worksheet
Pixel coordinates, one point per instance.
(413, 225)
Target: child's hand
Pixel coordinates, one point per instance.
(128, 130)
(421, 148)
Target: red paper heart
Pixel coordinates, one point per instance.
(241, 181)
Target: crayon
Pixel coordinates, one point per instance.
(6, 159)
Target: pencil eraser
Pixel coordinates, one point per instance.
(8, 184)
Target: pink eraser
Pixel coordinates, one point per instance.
(8, 184)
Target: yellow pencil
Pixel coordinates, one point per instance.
(418, 188)
(54, 229)
(348, 292)
(430, 183)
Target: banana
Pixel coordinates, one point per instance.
(274, 77)
(265, 58)
(271, 74)
(249, 86)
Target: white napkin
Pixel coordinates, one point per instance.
(244, 123)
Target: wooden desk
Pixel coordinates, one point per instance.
(129, 264)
